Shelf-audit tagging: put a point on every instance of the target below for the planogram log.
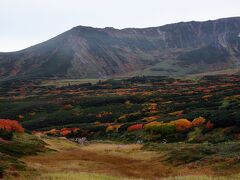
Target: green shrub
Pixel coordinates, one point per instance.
(190, 154)
(163, 129)
(194, 135)
(6, 135)
(2, 169)
(22, 145)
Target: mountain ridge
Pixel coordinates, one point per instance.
(173, 49)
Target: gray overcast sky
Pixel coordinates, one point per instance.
(28, 22)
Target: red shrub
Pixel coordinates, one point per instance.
(135, 127)
(65, 132)
(10, 126)
(209, 125)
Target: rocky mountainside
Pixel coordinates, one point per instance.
(86, 52)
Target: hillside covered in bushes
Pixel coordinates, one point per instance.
(193, 122)
(138, 108)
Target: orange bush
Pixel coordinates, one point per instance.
(52, 132)
(62, 132)
(182, 124)
(135, 127)
(176, 113)
(113, 128)
(110, 128)
(10, 126)
(67, 131)
(198, 121)
(151, 118)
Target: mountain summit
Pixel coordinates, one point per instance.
(86, 52)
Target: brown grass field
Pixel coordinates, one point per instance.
(106, 160)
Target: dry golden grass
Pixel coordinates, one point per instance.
(60, 144)
(106, 161)
(233, 177)
(76, 176)
(126, 161)
(132, 151)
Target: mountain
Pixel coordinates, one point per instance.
(86, 52)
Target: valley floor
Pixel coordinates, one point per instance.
(105, 160)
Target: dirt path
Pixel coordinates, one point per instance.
(118, 160)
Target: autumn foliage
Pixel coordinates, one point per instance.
(198, 121)
(135, 127)
(182, 124)
(176, 113)
(113, 128)
(154, 123)
(209, 125)
(52, 132)
(65, 132)
(161, 128)
(10, 126)
(61, 132)
(152, 118)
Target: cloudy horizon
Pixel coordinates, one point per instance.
(26, 22)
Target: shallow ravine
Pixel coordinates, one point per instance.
(101, 160)
(117, 160)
